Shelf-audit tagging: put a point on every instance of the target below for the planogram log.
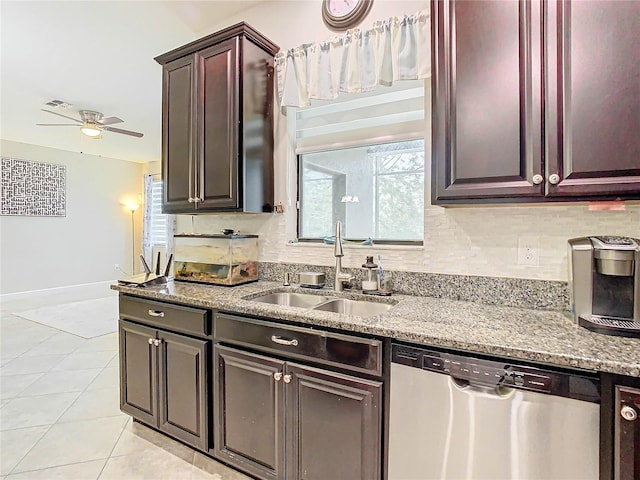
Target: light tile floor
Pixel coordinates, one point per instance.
(59, 408)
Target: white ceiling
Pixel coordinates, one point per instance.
(95, 55)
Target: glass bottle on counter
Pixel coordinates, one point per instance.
(370, 281)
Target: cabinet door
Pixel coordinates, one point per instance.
(486, 99)
(627, 433)
(593, 97)
(183, 404)
(249, 407)
(138, 373)
(178, 166)
(333, 425)
(218, 139)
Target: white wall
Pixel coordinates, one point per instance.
(290, 23)
(83, 247)
(475, 241)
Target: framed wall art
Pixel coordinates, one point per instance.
(32, 188)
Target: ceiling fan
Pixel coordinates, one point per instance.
(91, 123)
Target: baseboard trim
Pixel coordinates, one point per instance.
(80, 288)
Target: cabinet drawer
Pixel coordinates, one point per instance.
(340, 350)
(178, 318)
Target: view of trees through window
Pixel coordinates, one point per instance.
(377, 191)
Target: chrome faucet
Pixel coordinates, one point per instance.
(340, 277)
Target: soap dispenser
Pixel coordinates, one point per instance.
(370, 281)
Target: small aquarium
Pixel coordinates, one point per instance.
(216, 259)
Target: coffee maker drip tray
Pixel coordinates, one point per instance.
(611, 326)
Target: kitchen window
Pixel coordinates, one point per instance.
(361, 160)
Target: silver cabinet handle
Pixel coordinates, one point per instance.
(627, 412)
(156, 313)
(277, 376)
(191, 200)
(157, 342)
(287, 378)
(554, 179)
(537, 179)
(151, 341)
(284, 341)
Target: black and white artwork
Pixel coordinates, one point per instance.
(33, 188)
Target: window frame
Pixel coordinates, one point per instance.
(301, 239)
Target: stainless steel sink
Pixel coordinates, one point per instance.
(353, 307)
(289, 299)
(359, 308)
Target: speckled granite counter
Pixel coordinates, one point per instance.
(540, 336)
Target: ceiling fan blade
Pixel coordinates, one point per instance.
(110, 121)
(56, 125)
(125, 132)
(63, 116)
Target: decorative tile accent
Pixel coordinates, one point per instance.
(33, 188)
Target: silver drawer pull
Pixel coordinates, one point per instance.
(287, 379)
(284, 341)
(156, 313)
(277, 376)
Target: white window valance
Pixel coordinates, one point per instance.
(395, 49)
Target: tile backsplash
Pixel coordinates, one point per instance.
(479, 241)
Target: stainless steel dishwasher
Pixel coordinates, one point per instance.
(460, 417)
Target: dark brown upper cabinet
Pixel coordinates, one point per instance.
(535, 101)
(593, 100)
(217, 125)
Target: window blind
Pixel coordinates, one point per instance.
(387, 114)
(158, 222)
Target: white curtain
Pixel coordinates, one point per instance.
(358, 61)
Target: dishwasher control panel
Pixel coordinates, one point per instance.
(499, 373)
(491, 375)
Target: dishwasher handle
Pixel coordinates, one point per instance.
(472, 388)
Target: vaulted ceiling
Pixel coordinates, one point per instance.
(94, 55)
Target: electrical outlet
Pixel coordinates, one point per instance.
(116, 267)
(528, 251)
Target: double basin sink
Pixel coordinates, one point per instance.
(358, 308)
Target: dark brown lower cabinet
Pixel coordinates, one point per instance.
(248, 411)
(163, 381)
(281, 420)
(138, 372)
(333, 428)
(620, 428)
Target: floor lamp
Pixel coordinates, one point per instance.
(132, 207)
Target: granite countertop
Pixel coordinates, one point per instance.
(548, 337)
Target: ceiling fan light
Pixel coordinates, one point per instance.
(90, 131)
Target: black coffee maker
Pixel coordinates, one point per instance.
(604, 284)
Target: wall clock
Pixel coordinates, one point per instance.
(343, 14)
